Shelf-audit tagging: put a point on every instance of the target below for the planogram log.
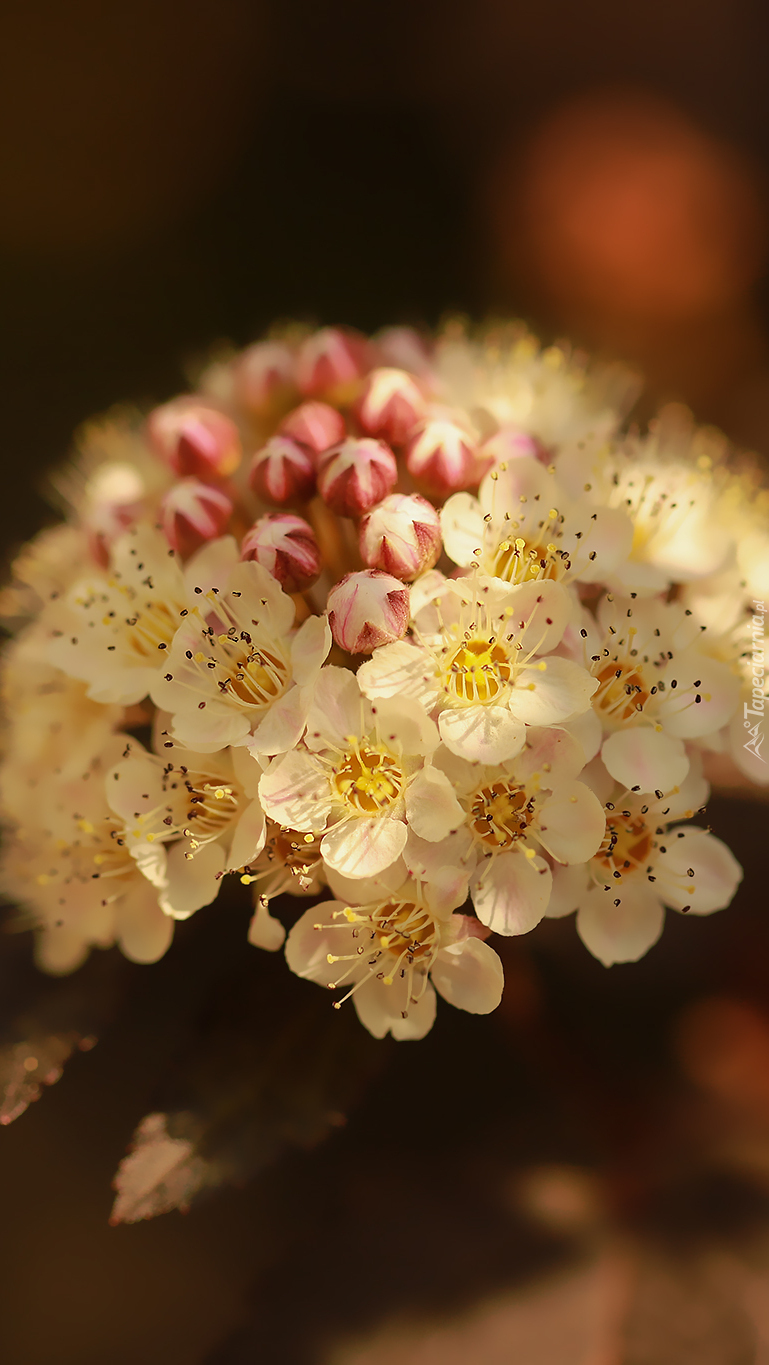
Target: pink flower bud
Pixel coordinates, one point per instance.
(196, 439)
(355, 476)
(331, 363)
(390, 406)
(367, 609)
(511, 443)
(402, 536)
(265, 376)
(442, 458)
(314, 425)
(282, 472)
(285, 546)
(192, 513)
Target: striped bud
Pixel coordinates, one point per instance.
(282, 472)
(285, 546)
(367, 609)
(355, 476)
(402, 536)
(265, 377)
(192, 513)
(331, 364)
(390, 406)
(195, 439)
(442, 458)
(314, 425)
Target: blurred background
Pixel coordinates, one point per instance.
(582, 1179)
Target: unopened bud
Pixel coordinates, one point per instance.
(265, 377)
(331, 364)
(195, 439)
(314, 425)
(355, 476)
(285, 546)
(367, 609)
(192, 513)
(442, 458)
(282, 472)
(390, 406)
(402, 536)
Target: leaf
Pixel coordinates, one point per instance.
(160, 1173)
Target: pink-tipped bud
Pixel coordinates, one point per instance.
(402, 536)
(196, 439)
(390, 406)
(331, 364)
(405, 349)
(283, 472)
(442, 458)
(285, 546)
(192, 513)
(355, 476)
(314, 425)
(265, 377)
(367, 609)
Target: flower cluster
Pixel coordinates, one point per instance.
(416, 631)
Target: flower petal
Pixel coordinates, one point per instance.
(469, 975)
(572, 823)
(645, 758)
(570, 886)
(482, 734)
(248, 839)
(380, 1009)
(295, 792)
(309, 649)
(142, 929)
(192, 882)
(432, 809)
(510, 892)
(265, 931)
(717, 874)
(362, 847)
(624, 932)
(283, 726)
(400, 670)
(551, 690)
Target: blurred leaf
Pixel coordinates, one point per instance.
(160, 1173)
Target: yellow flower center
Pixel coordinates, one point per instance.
(500, 814)
(627, 843)
(476, 672)
(622, 691)
(369, 781)
(520, 561)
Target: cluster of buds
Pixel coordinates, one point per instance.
(414, 616)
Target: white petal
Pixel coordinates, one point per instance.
(265, 931)
(717, 874)
(307, 948)
(624, 932)
(642, 757)
(551, 691)
(551, 755)
(283, 726)
(211, 566)
(143, 931)
(539, 613)
(192, 882)
(611, 538)
(572, 823)
(719, 690)
(469, 975)
(432, 809)
(362, 847)
(400, 670)
(337, 710)
(444, 863)
(309, 649)
(462, 528)
(248, 839)
(295, 792)
(570, 886)
(510, 892)
(586, 729)
(210, 730)
(380, 1010)
(366, 890)
(405, 723)
(482, 734)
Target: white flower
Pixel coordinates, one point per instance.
(642, 866)
(203, 806)
(393, 952)
(70, 866)
(235, 674)
(361, 778)
(515, 814)
(523, 526)
(476, 659)
(114, 629)
(656, 688)
(290, 862)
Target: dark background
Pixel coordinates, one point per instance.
(174, 175)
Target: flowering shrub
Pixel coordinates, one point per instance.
(417, 633)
